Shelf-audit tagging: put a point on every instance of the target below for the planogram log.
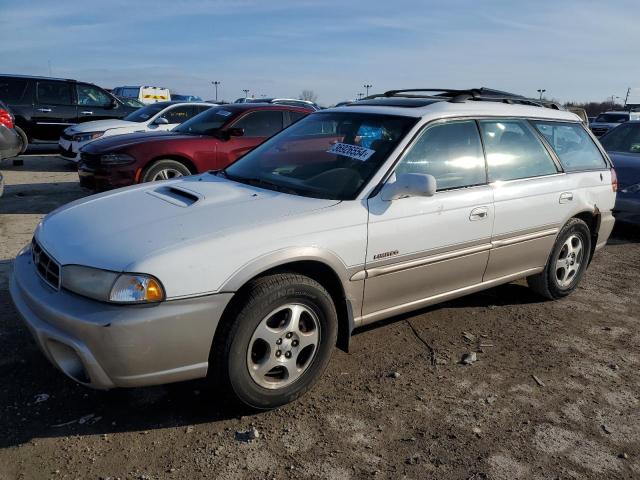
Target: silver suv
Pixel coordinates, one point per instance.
(252, 274)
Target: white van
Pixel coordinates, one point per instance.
(144, 94)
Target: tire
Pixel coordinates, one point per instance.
(567, 263)
(165, 169)
(260, 357)
(25, 139)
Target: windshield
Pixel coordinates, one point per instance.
(612, 118)
(325, 155)
(145, 113)
(625, 138)
(206, 122)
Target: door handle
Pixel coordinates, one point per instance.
(86, 112)
(479, 213)
(566, 197)
(44, 110)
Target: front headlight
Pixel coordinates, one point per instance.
(631, 189)
(116, 159)
(112, 286)
(85, 137)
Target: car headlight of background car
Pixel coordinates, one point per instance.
(85, 137)
(112, 286)
(116, 159)
(631, 189)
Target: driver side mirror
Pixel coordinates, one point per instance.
(235, 132)
(409, 185)
(161, 121)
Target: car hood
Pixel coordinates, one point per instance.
(627, 167)
(113, 143)
(101, 125)
(117, 230)
(603, 125)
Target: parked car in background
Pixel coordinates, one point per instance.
(623, 146)
(252, 274)
(210, 140)
(156, 117)
(282, 101)
(186, 98)
(11, 143)
(606, 121)
(131, 102)
(144, 94)
(44, 107)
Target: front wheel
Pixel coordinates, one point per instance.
(25, 139)
(567, 262)
(279, 343)
(165, 170)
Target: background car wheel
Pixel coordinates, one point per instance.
(25, 139)
(165, 170)
(567, 262)
(278, 341)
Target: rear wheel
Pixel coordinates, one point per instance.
(165, 170)
(277, 343)
(567, 262)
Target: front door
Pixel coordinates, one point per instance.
(94, 104)
(54, 109)
(420, 247)
(258, 126)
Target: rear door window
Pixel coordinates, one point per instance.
(451, 152)
(264, 123)
(514, 151)
(55, 93)
(12, 89)
(573, 146)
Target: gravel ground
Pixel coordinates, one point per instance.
(554, 393)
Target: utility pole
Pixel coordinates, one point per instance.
(215, 84)
(246, 93)
(613, 100)
(541, 91)
(367, 86)
(50, 74)
(360, 95)
(626, 97)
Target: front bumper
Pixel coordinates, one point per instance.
(627, 209)
(70, 150)
(99, 178)
(105, 346)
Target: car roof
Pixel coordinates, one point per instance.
(262, 106)
(168, 103)
(36, 77)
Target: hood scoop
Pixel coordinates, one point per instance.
(178, 196)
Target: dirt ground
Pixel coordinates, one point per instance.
(399, 405)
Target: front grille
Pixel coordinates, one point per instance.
(90, 159)
(46, 266)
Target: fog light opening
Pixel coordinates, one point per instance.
(68, 361)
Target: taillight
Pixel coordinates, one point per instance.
(614, 180)
(5, 118)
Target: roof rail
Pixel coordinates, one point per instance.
(463, 95)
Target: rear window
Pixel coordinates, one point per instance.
(572, 144)
(12, 89)
(129, 92)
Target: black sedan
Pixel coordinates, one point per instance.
(623, 146)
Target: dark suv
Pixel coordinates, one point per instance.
(44, 107)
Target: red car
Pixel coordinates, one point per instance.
(209, 141)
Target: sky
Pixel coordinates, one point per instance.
(577, 50)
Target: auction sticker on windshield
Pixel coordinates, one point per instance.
(351, 151)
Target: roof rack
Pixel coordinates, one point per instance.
(461, 96)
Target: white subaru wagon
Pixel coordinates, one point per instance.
(251, 275)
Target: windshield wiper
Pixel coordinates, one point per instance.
(260, 182)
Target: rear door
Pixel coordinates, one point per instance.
(531, 196)
(258, 126)
(54, 109)
(95, 104)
